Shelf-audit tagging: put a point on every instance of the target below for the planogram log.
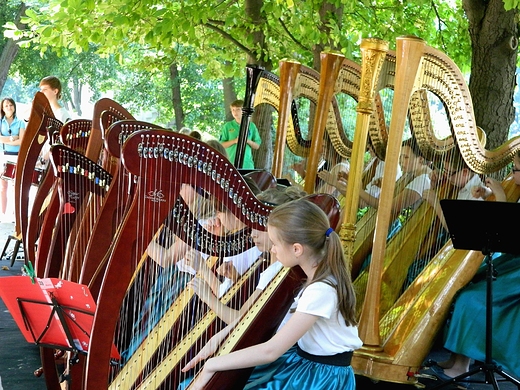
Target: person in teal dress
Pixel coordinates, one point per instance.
(466, 336)
(229, 136)
(313, 349)
(466, 331)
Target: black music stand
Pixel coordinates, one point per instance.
(480, 226)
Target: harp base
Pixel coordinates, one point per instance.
(380, 366)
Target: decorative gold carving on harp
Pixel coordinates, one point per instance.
(399, 333)
(268, 92)
(339, 75)
(162, 161)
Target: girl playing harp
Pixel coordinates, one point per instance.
(179, 263)
(417, 172)
(323, 322)
(272, 196)
(456, 172)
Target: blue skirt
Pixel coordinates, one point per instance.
(466, 333)
(293, 372)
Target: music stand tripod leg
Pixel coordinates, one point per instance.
(15, 250)
(489, 368)
(6, 246)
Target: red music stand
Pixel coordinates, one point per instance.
(51, 312)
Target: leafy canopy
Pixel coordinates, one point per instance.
(223, 36)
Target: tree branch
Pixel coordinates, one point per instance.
(441, 22)
(230, 38)
(217, 22)
(292, 36)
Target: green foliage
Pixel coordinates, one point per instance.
(224, 32)
(128, 45)
(511, 4)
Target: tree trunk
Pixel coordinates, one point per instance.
(329, 12)
(262, 116)
(176, 96)
(76, 95)
(230, 95)
(494, 39)
(10, 50)
(253, 11)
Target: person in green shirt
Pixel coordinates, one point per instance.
(229, 136)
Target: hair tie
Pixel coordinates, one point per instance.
(329, 230)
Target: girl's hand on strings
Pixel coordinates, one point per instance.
(214, 226)
(209, 350)
(493, 187)
(343, 176)
(327, 177)
(193, 259)
(228, 270)
(202, 379)
(201, 288)
(478, 191)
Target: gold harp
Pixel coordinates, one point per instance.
(398, 338)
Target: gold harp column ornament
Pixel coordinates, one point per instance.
(373, 52)
(330, 67)
(288, 73)
(408, 59)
